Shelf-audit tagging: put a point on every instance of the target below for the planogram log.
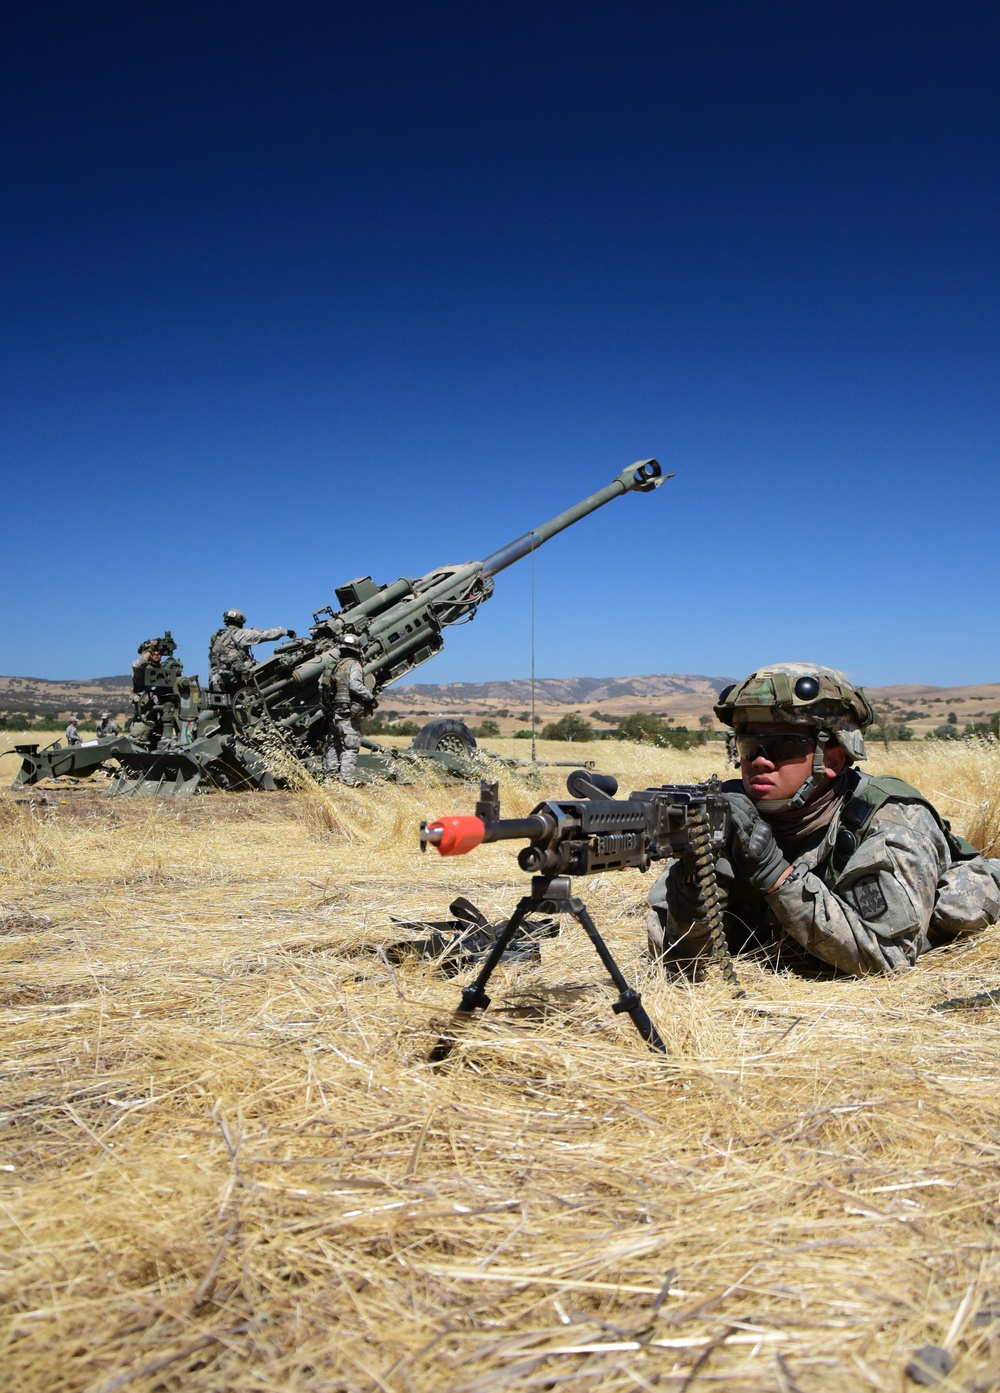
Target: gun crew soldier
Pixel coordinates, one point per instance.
(143, 728)
(107, 727)
(149, 656)
(229, 655)
(826, 865)
(347, 701)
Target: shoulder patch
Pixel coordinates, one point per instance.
(869, 898)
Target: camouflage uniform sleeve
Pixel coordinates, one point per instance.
(356, 681)
(875, 918)
(246, 638)
(968, 899)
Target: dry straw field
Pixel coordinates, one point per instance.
(227, 1165)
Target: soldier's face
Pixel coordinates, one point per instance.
(765, 777)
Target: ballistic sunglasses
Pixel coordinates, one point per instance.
(776, 747)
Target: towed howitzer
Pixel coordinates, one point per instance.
(224, 737)
(591, 833)
(399, 626)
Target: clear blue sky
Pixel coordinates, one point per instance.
(294, 292)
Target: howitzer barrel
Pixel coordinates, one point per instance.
(642, 477)
(397, 627)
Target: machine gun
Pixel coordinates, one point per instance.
(400, 626)
(588, 834)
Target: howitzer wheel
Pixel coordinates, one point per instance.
(248, 709)
(449, 737)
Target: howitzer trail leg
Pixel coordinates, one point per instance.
(474, 995)
(629, 1000)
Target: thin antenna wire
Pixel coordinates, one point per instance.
(533, 757)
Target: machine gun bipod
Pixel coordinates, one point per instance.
(552, 895)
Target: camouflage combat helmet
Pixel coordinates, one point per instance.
(801, 694)
(349, 639)
(234, 616)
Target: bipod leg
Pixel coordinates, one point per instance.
(629, 1001)
(474, 995)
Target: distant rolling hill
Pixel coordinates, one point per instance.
(568, 691)
(37, 696)
(684, 696)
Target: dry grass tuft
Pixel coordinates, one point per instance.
(226, 1163)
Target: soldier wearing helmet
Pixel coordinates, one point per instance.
(826, 865)
(145, 726)
(107, 726)
(229, 655)
(347, 701)
(150, 654)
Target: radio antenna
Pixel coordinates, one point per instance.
(534, 759)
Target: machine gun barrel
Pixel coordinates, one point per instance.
(454, 836)
(643, 477)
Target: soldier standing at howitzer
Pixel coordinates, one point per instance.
(347, 701)
(73, 736)
(826, 865)
(143, 725)
(229, 655)
(107, 727)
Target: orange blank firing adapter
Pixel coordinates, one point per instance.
(453, 836)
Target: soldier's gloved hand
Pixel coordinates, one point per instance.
(756, 854)
(290, 633)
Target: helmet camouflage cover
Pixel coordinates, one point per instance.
(800, 694)
(234, 616)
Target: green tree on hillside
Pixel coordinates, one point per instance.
(569, 727)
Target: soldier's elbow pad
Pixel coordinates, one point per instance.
(967, 899)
